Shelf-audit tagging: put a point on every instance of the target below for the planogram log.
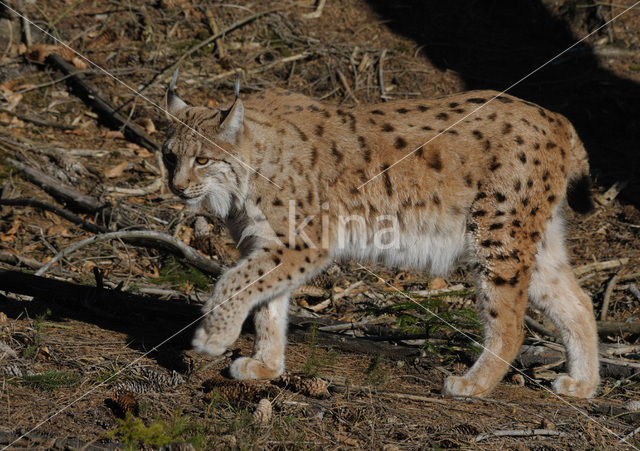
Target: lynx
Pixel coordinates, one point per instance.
(302, 183)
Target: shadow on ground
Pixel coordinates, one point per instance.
(492, 44)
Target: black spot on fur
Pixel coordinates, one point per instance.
(476, 100)
(402, 110)
(493, 313)
(426, 127)
(277, 202)
(436, 199)
(387, 180)
(519, 140)
(478, 213)
(481, 195)
(387, 128)
(362, 141)
(422, 108)
(336, 153)
(517, 186)
(400, 143)
(435, 162)
(496, 226)
(442, 116)
(506, 128)
(378, 112)
(276, 260)
(499, 281)
(468, 180)
(494, 164)
(504, 99)
(477, 134)
(551, 199)
(500, 197)
(522, 157)
(319, 130)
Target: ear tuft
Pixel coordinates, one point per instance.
(233, 123)
(174, 103)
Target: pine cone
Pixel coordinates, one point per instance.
(240, 393)
(308, 386)
(123, 401)
(262, 414)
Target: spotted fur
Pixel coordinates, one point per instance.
(301, 183)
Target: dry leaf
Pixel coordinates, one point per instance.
(116, 171)
(437, 283)
(60, 230)
(43, 353)
(114, 134)
(39, 52)
(3, 318)
(138, 150)
(147, 124)
(136, 200)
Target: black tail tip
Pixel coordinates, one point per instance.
(579, 194)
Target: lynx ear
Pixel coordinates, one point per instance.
(233, 123)
(174, 103)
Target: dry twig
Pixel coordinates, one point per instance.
(520, 433)
(607, 293)
(152, 239)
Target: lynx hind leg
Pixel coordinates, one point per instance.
(502, 310)
(555, 291)
(267, 360)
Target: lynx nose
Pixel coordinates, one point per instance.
(180, 185)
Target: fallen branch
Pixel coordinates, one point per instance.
(520, 433)
(617, 328)
(383, 91)
(27, 202)
(65, 194)
(598, 266)
(607, 293)
(37, 121)
(102, 107)
(16, 260)
(539, 328)
(147, 238)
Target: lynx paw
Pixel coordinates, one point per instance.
(461, 386)
(566, 385)
(207, 344)
(248, 368)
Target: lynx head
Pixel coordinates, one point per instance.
(201, 154)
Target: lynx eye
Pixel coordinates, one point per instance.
(202, 161)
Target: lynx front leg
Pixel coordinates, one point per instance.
(503, 301)
(267, 360)
(263, 276)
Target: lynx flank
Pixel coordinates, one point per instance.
(489, 192)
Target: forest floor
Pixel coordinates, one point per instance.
(102, 373)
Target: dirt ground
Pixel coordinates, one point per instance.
(80, 373)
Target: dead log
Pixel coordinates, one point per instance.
(107, 112)
(35, 203)
(65, 194)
